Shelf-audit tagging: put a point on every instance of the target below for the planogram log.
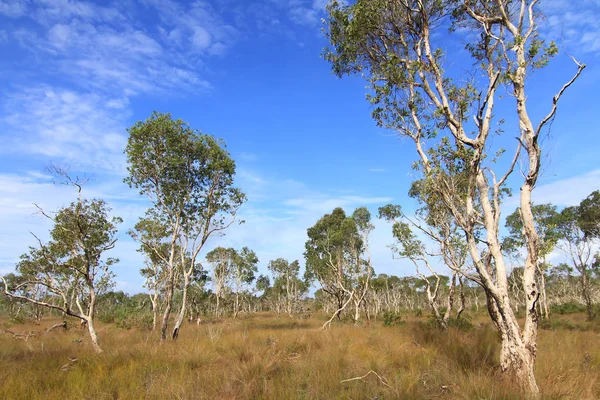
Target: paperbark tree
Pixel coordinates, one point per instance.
(72, 266)
(188, 177)
(221, 260)
(395, 45)
(364, 270)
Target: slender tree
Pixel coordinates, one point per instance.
(244, 268)
(221, 260)
(334, 251)
(188, 177)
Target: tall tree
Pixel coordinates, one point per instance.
(188, 177)
(396, 46)
(71, 267)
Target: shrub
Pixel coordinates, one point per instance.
(391, 318)
(568, 308)
(462, 324)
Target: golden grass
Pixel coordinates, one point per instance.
(267, 358)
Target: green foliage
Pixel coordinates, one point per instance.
(391, 318)
(567, 308)
(462, 324)
(544, 218)
(333, 247)
(588, 216)
(187, 174)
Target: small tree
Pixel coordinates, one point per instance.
(287, 282)
(579, 233)
(243, 270)
(448, 247)
(188, 177)
(334, 251)
(221, 260)
(544, 216)
(71, 268)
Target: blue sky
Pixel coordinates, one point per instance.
(74, 75)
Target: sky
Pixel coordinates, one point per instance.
(74, 75)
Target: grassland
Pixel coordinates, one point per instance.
(262, 357)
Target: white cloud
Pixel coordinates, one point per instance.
(568, 191)
(13, 8)
(82, 129)
(573, 25)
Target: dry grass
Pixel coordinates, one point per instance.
(267, 358)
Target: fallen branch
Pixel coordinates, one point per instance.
(361, 378)
(53, 327)
(24, 336)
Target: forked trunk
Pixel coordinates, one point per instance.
(516, 357)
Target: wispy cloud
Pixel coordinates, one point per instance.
(573, 24)
(568, 191)
(85, 130)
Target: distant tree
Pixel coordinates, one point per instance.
(71, 268)
(364, 270)
(151, 233)
(287, 283)
(244, 268)
(334, 257)
(448, 247)
(544, 216)
(398, 47)
(221, 260)
(188, 177)
(578, 233)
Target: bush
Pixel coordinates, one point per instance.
(568, 308)
(418, 312)
(391, 318)
(462, 324)
(134, 320)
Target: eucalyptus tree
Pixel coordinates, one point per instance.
(151, 233)
(334, 257)
(448, 247)
(364, 270)
(287, 283)
(244, 268)
(221, 260)
(398, 47)
(71, 268)
(544, 217)
(579, 233)
(188, 177)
